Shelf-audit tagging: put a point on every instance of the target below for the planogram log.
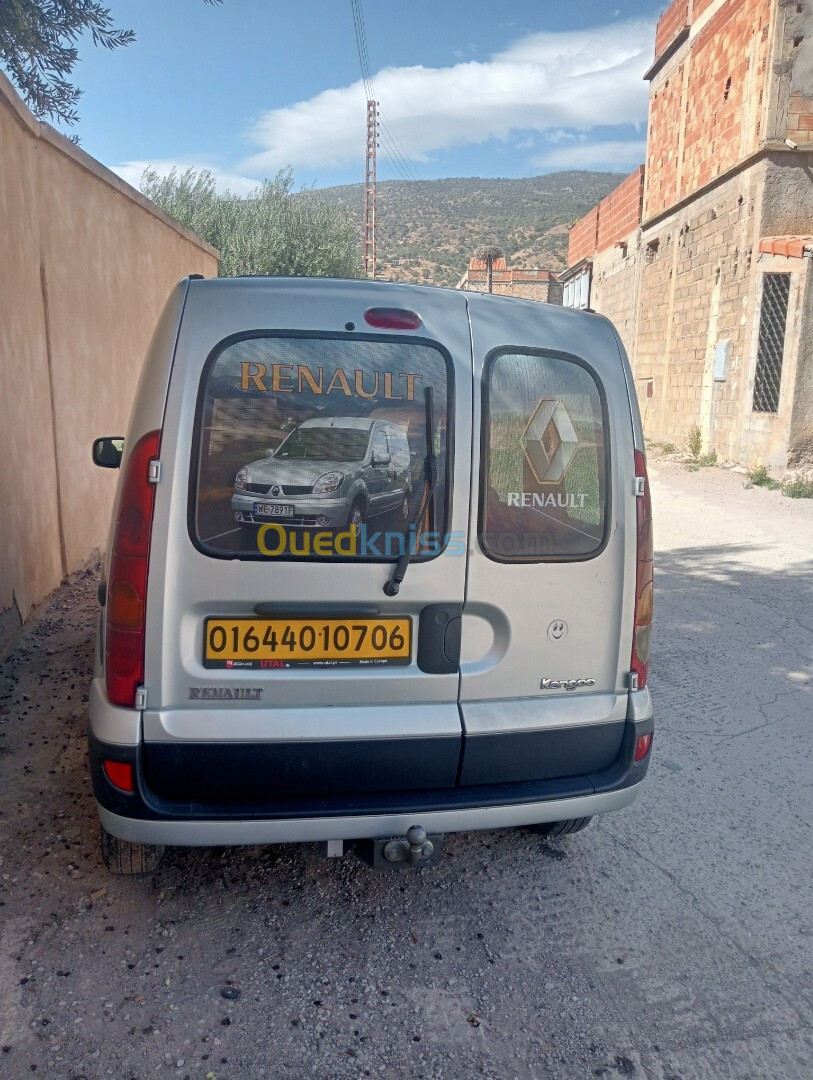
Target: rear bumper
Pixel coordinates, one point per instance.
(195, 833)
(146, 816)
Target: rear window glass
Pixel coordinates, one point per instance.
(544, 460)
(315, 447)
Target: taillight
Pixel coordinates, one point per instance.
(644, 585)
(643, 745)
(127, 578)
(390, 318)
(120, 775)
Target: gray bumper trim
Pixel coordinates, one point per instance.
(306, 830)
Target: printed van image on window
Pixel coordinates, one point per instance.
(544, 493)
(317, 447)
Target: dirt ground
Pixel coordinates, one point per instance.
(671, 941)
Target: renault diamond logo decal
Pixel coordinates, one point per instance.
(276, 490)
(550, 441)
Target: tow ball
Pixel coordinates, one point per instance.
(399, 853)
(415, 850)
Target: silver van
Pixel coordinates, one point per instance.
(328, 472)
(380, 569)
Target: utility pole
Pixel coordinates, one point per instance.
(369, 190)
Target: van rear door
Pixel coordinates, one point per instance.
(276, 666)
(547, 624)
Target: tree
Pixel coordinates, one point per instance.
(488, 253)
(37, 48)
(275, 230)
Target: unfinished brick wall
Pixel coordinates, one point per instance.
(670, 24)
(800, 119)
(719, 176)
(706, 111)
(583, 238)
(615, 217)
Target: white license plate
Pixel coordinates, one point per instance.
(274, 509)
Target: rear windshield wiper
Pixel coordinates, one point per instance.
(430, 473)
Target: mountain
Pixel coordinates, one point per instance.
(428, 229)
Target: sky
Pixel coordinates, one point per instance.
(478, 88)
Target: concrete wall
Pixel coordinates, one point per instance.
(86, 264)
(694, 279)
(696, 289)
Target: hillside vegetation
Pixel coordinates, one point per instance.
(428, 229)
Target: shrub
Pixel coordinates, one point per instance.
(709, 459)
(758, 476)
(798, 488)
(275, 230)
(694, 442)
(668, 447)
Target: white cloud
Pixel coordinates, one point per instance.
(607, 156)
(546, 81)
(132, 171)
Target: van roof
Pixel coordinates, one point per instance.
(354, 286)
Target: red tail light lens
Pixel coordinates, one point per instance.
(642, 746)
(644, 583)
(127, 579)
(120, 775)
(390, 318)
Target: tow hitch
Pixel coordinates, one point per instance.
(400, 853)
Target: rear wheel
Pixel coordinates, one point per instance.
(562, 828)
(124, 857)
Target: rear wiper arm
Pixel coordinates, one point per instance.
(430, 471)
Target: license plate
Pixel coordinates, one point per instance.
(274, 509)
(282, 643)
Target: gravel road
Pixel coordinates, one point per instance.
(671, 941)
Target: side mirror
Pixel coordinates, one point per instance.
(107, 451)
(381, 457)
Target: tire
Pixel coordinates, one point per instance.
(356, 519)
(562, 828)
(124, 858)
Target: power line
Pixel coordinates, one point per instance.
(401, 162)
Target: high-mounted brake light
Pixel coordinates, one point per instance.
(644, 584)
(390, 318)
(127, 580)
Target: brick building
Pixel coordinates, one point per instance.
(529, 284)
(703, 258)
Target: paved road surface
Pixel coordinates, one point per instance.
(672, 940)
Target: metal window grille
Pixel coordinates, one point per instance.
(773, 317)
